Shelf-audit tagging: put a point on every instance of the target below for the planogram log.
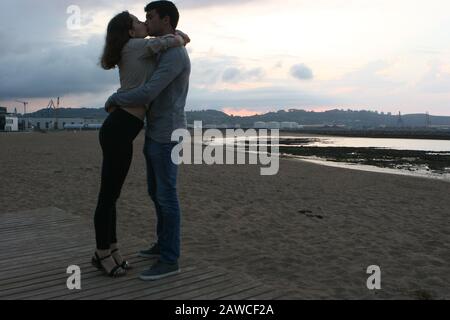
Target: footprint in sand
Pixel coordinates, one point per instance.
(309, 214)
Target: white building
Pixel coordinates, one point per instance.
(11, 123)
(64, 123)
(93, 126)
(260, 125)
(267, 125)
(289, 125)
(273, 125)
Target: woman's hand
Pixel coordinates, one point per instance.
(184, 36)
(110, 106)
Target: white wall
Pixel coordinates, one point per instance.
(12, 124)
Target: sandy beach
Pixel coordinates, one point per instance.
(311, 230)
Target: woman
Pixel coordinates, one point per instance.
(127, 48)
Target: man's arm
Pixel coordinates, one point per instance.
(169, 67)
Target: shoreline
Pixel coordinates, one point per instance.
(435, 162)
(369, 168)
(400, 134)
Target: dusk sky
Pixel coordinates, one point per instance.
(248, 56)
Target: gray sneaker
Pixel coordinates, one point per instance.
(160, 270)
(153, 252)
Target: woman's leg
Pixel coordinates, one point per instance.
(114, 172)
(127, 155)
(113, 235)
(117, 155)
(117, 143)
(104, 213)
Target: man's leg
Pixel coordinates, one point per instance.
(164, 189)
(151, 187)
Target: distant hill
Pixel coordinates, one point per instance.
(350, 118)
(353, 119)
(71, 113)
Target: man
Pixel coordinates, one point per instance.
(165, 93)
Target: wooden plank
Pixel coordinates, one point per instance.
(246, 294)
(176, 287)
(35, 267)
(65, 238)
(24, 221)
(30, 230)
(234, 288)
(129, 286)
(13, 263)
(38, 250)
(271, 295)
(36, 276)
(61, 234)
(148, 287)
(8, 227)
(31, 216)
(183, 293)
(56, 287)
(37, 246)
(227, 283)
(74, 256)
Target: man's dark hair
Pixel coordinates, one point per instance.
(165, 9)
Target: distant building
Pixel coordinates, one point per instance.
(197, 125)
(11, 123)
(93, 126)
(64, 123)
(289, 125)
(260, 125)
(273, 125)
(267, 125)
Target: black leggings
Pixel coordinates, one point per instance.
(116, 139)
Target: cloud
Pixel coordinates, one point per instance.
(211, 3)
(301, 72)
(279, 65)
(370, 76)
(273, 97)
(208, 70)
(236, 75)
(436, 80)
(56, 71)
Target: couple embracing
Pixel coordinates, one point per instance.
(154, 78)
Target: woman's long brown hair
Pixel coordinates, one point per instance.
(116, 38)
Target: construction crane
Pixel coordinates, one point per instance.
(24, 106)
(54, 108)
(25, 103)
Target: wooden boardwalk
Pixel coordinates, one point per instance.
(36, 248)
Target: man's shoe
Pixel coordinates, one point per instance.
(160, 270)
(153, 252)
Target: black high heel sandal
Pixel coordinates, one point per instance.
(125, 264)
(116, 272)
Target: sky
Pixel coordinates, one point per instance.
(248, 56)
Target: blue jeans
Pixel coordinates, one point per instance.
(162, 188)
